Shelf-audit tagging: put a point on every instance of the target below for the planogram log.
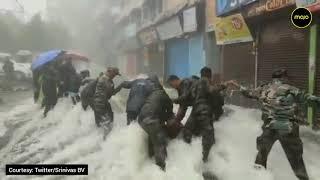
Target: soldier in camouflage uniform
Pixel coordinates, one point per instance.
(183, 87)
(200, 119)
(104, 91)
(156, 113)
(279, 113)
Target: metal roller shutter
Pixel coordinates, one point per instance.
(317, 91)
(239, 63)
(284, 46)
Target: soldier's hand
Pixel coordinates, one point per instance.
(175, 101)
(312, 98)
(233, 84)
(171, 122)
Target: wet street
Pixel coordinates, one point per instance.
(69, 135)
(10, 99)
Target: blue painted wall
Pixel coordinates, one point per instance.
(177, 57)
(185, 57)
(196, 55)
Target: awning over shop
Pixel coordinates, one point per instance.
(170, 29)
(190, 20)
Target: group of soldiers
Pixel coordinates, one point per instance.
(149, 105)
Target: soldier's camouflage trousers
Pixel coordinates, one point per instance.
(292, 146)
(103, 114)
(157, 141)
(200, 124)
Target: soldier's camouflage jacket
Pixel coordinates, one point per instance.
(104, 91)
(279, 103)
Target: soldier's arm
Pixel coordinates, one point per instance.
(252, 93)
(125, 84)
(181, 112)
(301, 97)
(314, 99)
(184, 96)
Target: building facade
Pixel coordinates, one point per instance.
(241, 40)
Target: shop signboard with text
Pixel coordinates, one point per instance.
(232, 29)
(225, 6)
(265, 6)
(312, 5)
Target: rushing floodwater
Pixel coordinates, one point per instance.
(69, 135)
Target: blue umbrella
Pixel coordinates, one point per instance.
(45, 58)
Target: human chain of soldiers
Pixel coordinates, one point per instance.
(149, 104)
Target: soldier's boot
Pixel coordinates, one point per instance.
(160, 149)
(150, 148)
(187, 135)
(207, 141)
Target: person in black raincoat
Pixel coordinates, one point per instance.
(49, 88)
(66, 71)
(156, 111)
(73, 87)
(139, 90)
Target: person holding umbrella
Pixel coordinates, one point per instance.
(49, 88)
(39, 68)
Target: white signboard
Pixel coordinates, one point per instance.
(189, 20)
(170, 29)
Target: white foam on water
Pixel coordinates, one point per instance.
(69, 135)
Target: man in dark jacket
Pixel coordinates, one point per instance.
(73, 88)
(200, 120)
(183, 88)
(156, 111)
(216, 88)
(49, 88)
(139, 90)
(104, 91)
(66, 71)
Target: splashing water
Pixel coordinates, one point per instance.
(69, 135)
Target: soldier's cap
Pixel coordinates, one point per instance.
(114, 70)
(279, 73)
